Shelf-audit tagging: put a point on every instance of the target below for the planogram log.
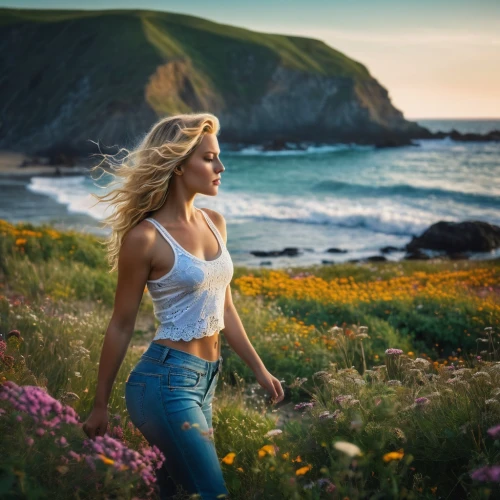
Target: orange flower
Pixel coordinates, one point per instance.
(229, 458)
(303, 470)
(106, 460)
(393, 455)
(267, 449)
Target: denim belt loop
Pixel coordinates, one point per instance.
(164, 355)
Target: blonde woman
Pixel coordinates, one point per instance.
(161, 240)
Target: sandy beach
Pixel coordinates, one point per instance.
(19, 204)
(10, 166)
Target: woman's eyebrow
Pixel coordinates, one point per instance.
(213, 152)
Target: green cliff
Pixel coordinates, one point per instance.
(69, 76)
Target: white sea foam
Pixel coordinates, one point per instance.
(72, 191)
(327, 148)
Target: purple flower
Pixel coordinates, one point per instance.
(494, 432)
(38, 404)
(330, 487)
(301, 406)
(393, 352)
(143, 462)
(487, 474)
(422, 401)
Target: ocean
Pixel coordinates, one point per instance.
(356, 198)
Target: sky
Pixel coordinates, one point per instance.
(437, 59)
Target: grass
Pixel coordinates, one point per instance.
(391, 372)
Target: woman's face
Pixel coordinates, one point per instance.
(203, 167)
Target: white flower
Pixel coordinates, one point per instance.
(273, 432)
(349, 449)
(421, 362)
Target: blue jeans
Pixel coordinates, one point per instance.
(169, 399)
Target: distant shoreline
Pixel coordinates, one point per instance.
(10, 167)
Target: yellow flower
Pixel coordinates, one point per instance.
(240, 469)
(21, 241)
(394, 455)
(297, 459)
(106, 460)
(229, 458)
(266, 449)
(285, 455)
(303, 470)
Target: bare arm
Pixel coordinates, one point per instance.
(133, 269)
(235, 334)
(236, 337)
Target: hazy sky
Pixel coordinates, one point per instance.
(437, 59)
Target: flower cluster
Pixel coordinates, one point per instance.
(494, 432)
(301, 406)
(393, 352)
(487, 474)
(115, 453)
(322, 482)
(422, 401)
(43, 408)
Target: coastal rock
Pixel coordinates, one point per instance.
(492, 136)
(336, 250)
(389, 249)
(416, 255)
(376, 258)
(289, 252)
(453, 237)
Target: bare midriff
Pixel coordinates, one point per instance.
(207, 347)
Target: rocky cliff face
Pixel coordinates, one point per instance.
(73, 77)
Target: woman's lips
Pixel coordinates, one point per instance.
(217, 182)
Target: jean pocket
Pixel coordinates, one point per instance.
(183, 378)
(134, 400)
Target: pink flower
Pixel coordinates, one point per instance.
(487, 474)
(393, 352)
(494, 432)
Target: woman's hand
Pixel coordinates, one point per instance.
(271, 384)
(97, 423)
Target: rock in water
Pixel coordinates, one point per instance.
(452, 237)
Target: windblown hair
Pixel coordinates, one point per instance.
(145, 173)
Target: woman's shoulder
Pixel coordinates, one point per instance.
(218, 219)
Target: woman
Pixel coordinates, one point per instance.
(179, 252)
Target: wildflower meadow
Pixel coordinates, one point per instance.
(391, 373)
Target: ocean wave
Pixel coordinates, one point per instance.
(379, 216)
(327, 148)
(72, 191)
(347, 188)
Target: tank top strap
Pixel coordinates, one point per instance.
(213, 227)
(164, 233)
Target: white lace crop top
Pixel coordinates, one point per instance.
(189, 300)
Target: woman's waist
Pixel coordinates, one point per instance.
(207, 347)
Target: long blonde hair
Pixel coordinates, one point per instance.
(146, 171)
